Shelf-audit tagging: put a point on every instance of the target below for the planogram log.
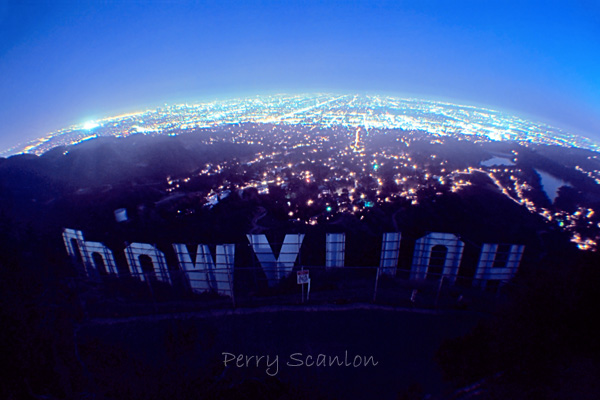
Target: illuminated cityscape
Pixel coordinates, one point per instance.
(342, 155)
(369, 112)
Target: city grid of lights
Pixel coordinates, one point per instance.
(362, 142)
(325, 110)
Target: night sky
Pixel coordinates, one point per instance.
(65, 62)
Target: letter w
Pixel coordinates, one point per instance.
(205, 274)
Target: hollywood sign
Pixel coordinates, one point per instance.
(439, 251)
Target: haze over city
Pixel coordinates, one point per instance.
(65, 63)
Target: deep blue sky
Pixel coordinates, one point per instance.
(64, 62)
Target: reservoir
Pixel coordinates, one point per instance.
(551, 184)
(497, 161)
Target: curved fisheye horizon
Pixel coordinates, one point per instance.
(103, 60)
(305, 199)
(378, 110)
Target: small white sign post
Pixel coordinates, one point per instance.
(303, 278)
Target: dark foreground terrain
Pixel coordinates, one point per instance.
(537, 341)
(181, 357)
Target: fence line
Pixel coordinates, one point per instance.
(350, 284)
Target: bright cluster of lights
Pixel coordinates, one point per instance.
(366, 112)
